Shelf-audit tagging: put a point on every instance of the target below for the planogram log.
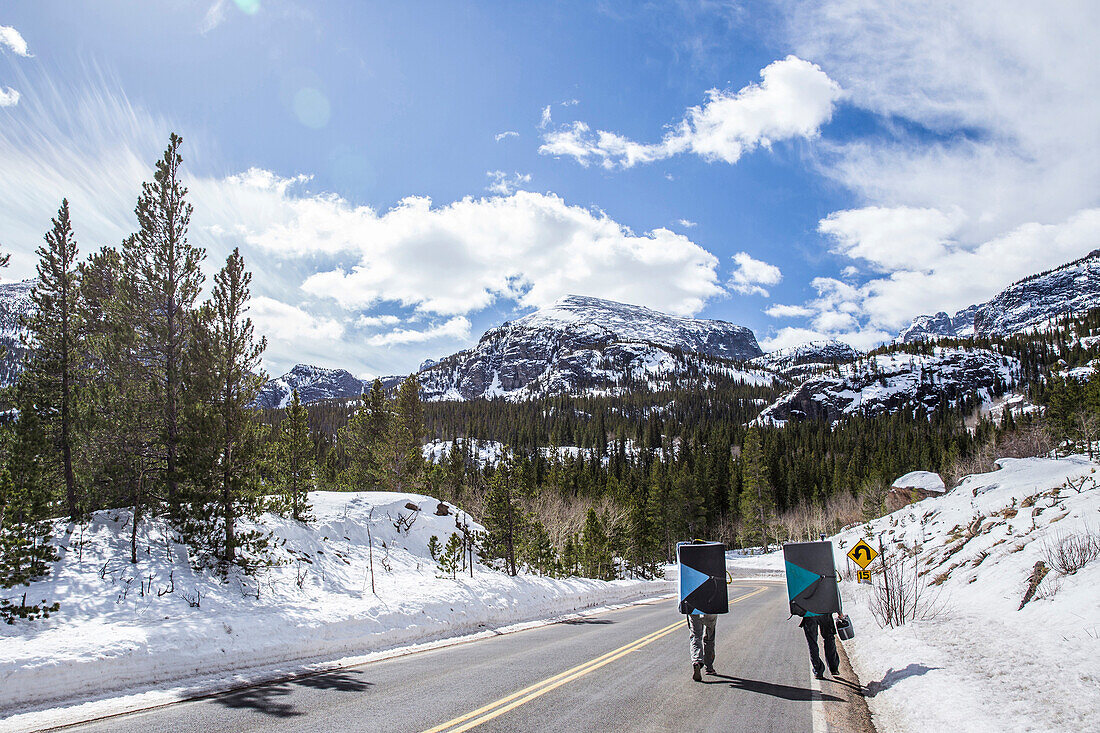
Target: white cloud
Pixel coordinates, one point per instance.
(500, 182)
(570, 103)
(461, 257)
(751, 274)
(9, 97)
(290, 321)
(686, 223)
(793, 100)
(788, 311)
(365, 321)
(13, 41)
(544, 119)
(892, 238)
(505, 135)
(453, 328)
(864, 340)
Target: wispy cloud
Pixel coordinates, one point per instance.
(453, 328)
(505, 135)
(13, 41)
(500, 182)
(215, 16)
(686, 223)
(9, 97)
(793, 100)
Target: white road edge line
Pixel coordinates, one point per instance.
(817, 706)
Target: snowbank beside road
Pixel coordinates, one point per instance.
(977, 662)
(123, 627)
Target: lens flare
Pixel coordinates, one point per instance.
(248, 6)
(311, 107)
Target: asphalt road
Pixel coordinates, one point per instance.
(623, 670)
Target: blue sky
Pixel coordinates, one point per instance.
(402, 176)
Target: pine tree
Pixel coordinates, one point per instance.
(295, 461)
(596, 559)
(757, 495)
(223, 435)
(504, 519)
(364, 441)
(53, 338)
(405, 464)
(162, 284)
(25, 549)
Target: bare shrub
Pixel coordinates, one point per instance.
(1068, 553)
(1025, 442)
(982, 460)
(899, 595)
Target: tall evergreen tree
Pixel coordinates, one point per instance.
(295, 459)
(504, 518)
(757, 494)
(163, 283)
(53, 337)
(405, 464)
(364, 440)
(25, 549)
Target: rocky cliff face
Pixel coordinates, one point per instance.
(586, 343)
(810, 358)
(888, 383)
(313, 384)
(1024, 305)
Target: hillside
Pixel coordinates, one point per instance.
(1027, 304)
(589, 344)
(316, 603)
(888, 383)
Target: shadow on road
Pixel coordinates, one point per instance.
(588, 621)
(267, 699)
(894, 676)
(769, 688)
(853, 686)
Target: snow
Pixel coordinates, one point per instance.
(120, 628)
(925, 480)
(975, 662)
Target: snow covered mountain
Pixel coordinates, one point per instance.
(15, 303)
(1022, 306)
(313, 384)
(808, 358)
(886, 383)
(588, 343)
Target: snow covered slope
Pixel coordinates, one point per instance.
(15, 303)
(891, 382)
(1024, 305)
(132, 627)
(583, 343)
(809, 358)
(313, 384)
(978, 662)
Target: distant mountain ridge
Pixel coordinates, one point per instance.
(314, 384)
(582, 342)
(1024, 305)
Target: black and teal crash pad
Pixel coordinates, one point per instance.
(811, 578)
(702, 577)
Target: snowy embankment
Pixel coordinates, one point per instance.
(126, 628)
(974, 660)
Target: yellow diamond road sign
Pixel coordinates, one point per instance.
(862, 554)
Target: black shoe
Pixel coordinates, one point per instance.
(820, 675)
(834, 672)
(710, 670)
(696, 674)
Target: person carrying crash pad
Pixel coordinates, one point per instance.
(815, 596)
(702, 597)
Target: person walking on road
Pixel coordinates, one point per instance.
(702, 627)
(812, 624)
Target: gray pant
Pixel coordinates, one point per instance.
(701, 628)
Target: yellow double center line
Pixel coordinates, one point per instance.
(503, 705)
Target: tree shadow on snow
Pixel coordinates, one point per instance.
(267, 699)
(894, 676)
(785, 692)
